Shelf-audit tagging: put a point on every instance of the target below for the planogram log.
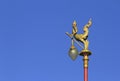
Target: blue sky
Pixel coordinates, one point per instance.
(34, 47)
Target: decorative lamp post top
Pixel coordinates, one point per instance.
(81, 38)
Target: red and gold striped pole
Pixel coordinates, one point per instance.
(85, 54)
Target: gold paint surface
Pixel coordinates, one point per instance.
(82, 37)
(85, 59)
(85, 52)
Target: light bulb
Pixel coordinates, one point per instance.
(73, 52)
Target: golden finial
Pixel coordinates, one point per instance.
(74, 23)
(82, 37)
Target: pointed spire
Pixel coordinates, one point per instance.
(74, 22)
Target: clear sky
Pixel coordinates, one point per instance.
(34, 46)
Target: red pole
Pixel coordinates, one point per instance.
(85, 59)
(85, 74)
(85, 54)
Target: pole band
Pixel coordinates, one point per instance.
(85, 59)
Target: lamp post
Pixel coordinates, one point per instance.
(80, 38)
